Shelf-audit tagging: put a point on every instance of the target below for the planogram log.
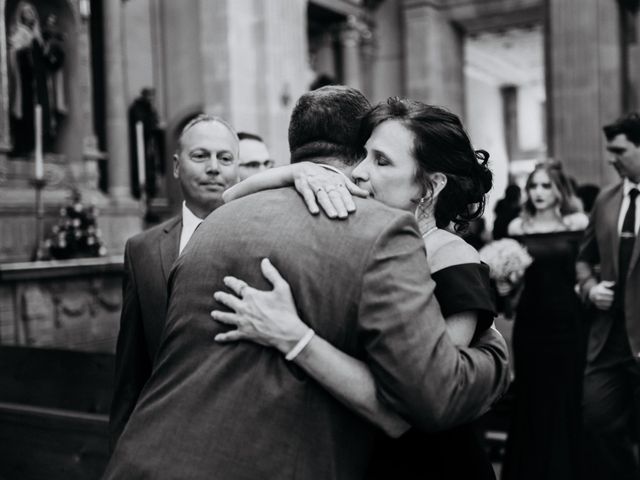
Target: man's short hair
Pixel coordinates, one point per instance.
(204, 118)
(249, 136)
(326, 122)
(628, 125)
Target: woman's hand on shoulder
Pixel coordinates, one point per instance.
(268, 179)
(576, 221)
(327, 187)
(446, 249)
(267, 317)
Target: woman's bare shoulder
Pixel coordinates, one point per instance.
(444, 249)
(576, 221)
(515, 226)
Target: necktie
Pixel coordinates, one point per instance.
(627, 239)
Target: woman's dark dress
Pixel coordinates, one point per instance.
(455, 453)
(549, 355)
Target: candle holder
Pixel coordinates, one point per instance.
(38, 184)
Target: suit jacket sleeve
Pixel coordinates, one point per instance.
(133, 366)
(419, 372)
(588, 258)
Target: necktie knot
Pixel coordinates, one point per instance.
(633, 194)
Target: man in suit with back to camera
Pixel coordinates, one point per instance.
(608, 272)
(204, 165)
(242, 411)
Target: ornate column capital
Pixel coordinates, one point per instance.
(354, 31)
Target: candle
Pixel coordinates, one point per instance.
(140, 154)
(38, 143)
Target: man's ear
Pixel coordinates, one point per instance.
(439, 181)
(176, 166)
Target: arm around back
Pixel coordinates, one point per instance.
(418, 370)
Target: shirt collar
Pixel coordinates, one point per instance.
(628, 185)
(189, 219)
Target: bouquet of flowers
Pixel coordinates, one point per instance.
(507, 260)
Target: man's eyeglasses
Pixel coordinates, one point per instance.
(258, 164)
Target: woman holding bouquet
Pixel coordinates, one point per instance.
(418, 158)
(548, 339)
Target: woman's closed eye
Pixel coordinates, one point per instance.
(380, 159)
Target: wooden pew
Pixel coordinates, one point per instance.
(54, 408)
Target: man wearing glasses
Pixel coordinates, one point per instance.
(254, 155)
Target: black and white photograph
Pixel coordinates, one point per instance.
(319, 239)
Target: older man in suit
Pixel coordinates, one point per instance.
(242, 411)
(204, 165)
(609, 277)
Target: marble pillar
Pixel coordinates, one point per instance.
(434, 70)
(584, 83)
(5, 140)
(117, 132)
(350, 37)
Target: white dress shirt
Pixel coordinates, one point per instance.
(189, 224)
(626, 187)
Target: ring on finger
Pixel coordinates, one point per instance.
(319, 189)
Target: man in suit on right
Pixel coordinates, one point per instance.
(244, 412)
(608, 271)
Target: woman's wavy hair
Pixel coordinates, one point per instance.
(568, 201)
(440, 144)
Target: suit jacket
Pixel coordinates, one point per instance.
(241, 411)
(599, 251)
(148, 259)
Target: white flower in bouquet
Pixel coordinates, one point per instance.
(507, 260)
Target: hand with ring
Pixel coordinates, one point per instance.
(265, 317)
(332, 191)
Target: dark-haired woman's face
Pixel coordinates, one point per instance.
(388, 171)
(542, 191)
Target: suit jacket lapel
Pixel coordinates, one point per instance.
(611, 214)
(635, 255)
(169, 245)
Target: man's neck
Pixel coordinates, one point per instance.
(331, 161)
(196, 211)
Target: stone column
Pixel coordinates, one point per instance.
(84, 159)
(350, 42)
(284, 25)
(117, 132)
(215, 45)
(434, 70)
(584, 83)
(5, 139)
(630, 52)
